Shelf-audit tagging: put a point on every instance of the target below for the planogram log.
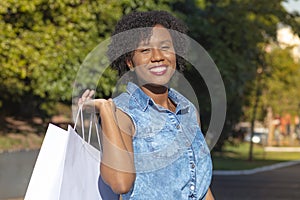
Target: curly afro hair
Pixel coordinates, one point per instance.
(137, 26)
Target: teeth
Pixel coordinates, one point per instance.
(158, 69)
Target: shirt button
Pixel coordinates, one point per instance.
(192, 187)
(193, 166)
(178, 126)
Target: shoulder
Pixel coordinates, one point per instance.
(122, 100)
(181, 99)
(122, 103)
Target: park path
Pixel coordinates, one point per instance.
(15, 171)
(277, 184)
(282, 183)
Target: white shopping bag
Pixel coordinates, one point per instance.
(48, 170)
(67, 167)
(81, 170)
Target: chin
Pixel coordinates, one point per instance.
(156, 83)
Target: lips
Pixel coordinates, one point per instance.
(159, 70)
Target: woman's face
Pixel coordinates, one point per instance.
(154, 60)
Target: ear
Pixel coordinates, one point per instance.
(130, 65)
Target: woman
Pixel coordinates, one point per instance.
(153, 147)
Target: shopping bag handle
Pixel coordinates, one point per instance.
(92, 119)
(79, 112)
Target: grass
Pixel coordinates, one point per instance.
(20, 132)
(13, 141)
(6, 142)
(236, 157)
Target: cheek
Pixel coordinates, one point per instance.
(142, 60)
(172, 59)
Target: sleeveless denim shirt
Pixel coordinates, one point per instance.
(172, 160)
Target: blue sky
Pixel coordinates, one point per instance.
(292, 5)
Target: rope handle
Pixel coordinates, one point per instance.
(92, 119)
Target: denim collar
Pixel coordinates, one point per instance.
(144, 100)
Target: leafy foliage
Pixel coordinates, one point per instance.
(281, 82)
(233, 32)
(43, 43)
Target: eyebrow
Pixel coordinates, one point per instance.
(161, 42)
(167, 41)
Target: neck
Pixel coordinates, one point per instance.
(158, 93)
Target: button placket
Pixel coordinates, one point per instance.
(192, 185)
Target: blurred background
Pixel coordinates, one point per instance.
(254, 43)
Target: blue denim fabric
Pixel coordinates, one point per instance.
(171, 157)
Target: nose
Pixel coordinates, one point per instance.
(157, 55)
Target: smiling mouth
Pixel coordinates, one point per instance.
(159, 70)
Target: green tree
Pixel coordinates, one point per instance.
(43, 43)
(233, 32)
(281, 82)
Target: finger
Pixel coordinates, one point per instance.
(91, 94)
(79, 101)
(85, 95)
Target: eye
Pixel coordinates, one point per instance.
(145, 50)
(165, 47)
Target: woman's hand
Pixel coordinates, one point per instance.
(97, 104)
(86, 96)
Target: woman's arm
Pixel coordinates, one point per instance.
(209, 195)
(117, 166)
